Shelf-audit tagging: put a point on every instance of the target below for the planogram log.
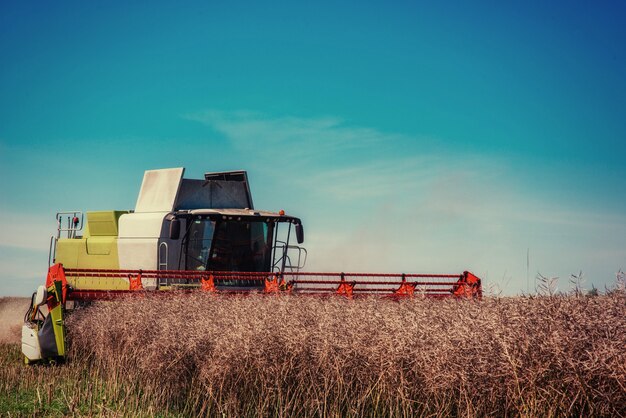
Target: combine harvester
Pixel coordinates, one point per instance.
(193, 235)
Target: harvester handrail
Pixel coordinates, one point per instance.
(307, 283)
(75, 271)
(370, 282)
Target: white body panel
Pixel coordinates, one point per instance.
(159, 190)
(139, 254)
(138, 242)
(41, 295)
(30, 343)
(141, 225)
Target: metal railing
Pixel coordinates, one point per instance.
(74, 223)
(277, 265)
(75, 220)
(311, 283)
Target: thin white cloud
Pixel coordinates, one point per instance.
(405, 179)
(469, 186)
(291, 139)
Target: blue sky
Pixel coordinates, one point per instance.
(411, 136)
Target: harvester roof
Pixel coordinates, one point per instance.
(248, 214)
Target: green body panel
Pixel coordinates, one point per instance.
(101, 245)
(59, 328)
(57, 317)
(103, 223)
(92, 253)
(97, 249)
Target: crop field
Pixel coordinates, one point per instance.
(207, 355)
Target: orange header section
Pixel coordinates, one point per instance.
(56, 274)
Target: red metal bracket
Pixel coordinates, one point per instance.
(134, 283)
(406, 289)
(345, 289)
(285, 286)
(468, 286)
(208, 285)
(271, 285)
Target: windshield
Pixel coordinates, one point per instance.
(241, 246)
(200, 237)
(228, 245)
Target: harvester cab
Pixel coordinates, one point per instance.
(188, 235)
(180, 224)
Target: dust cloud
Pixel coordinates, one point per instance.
(12, 312)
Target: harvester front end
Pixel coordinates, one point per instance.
(43, 335)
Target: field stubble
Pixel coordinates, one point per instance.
(283, 356)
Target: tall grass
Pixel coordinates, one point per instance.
(210, 355)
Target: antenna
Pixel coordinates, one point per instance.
(527, 269)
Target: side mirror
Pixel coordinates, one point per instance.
(41, 295)
(175, 228)
(300, 233)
